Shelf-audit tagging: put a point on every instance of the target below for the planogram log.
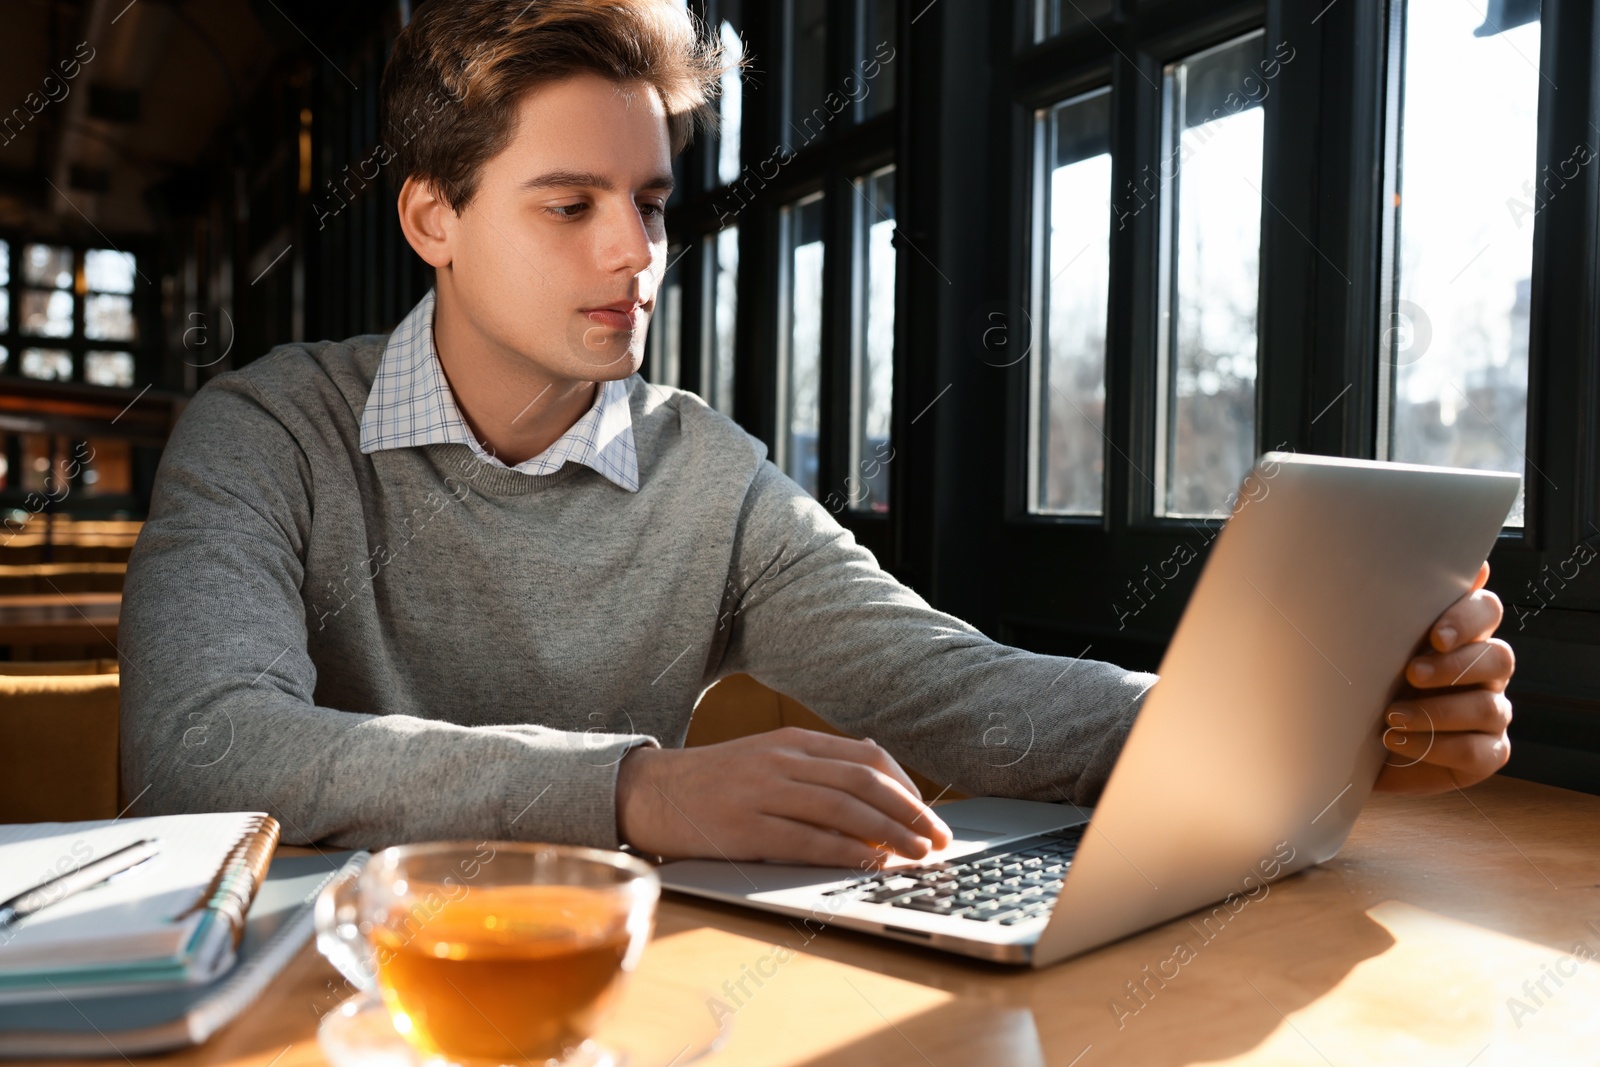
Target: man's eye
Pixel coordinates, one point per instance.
(653, 211)
(567, 211)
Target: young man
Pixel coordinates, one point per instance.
(468, 579)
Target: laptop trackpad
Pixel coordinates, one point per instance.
(966, 839)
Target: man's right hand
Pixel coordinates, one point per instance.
(788, 795)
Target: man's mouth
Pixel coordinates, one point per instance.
(626, 314)
(617, 317)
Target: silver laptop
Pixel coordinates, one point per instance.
(1250, 759)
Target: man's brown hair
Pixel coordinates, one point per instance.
(457, 72)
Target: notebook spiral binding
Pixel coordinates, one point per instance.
(240, 875)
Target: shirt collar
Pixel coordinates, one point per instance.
(411, 404)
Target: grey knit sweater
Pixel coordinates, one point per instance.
(415, 644)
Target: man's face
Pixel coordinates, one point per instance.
(568, 220)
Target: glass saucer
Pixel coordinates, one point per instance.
(653, 1024)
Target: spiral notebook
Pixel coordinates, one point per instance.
(175, 920)
(279, 925)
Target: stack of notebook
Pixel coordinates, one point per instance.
(160, 955)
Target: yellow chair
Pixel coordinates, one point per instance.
(738, 706)
(58, 741)
(62, 577)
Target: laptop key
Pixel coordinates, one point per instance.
(933, 905)
(885, 896)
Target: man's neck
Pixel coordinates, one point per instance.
(515, 410)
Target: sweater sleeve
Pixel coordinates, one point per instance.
(218, 710)
(816, 618)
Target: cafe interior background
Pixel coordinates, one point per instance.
(1016, 288)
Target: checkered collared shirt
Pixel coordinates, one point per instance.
(411, 404)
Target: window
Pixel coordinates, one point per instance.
(812, 100)
(48, 364)
(1071, 286)
(108, 368)
(796, 342)
(1052, 18)
(666, 325)
(730, 100)
(1455, 329)
(721, 257)
(69, 298)
(108, 307)
(47, 306)
(1211, 154)
(872, 380)
(800, 339)
(875, 28)
(805, 64)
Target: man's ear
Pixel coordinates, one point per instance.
(425, 219)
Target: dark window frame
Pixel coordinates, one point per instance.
(1327, 172)
(144, 295)
(769, 179)
(1052, 583)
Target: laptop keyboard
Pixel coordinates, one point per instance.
(1008, 884)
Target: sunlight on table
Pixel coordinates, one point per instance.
(1446, 990)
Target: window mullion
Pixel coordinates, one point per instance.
(838, 271)
(1132, 321)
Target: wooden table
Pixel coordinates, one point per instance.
(1426, 941)
(59, 618)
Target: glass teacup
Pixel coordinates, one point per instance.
(491, 953)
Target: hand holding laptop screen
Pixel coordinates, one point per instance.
(1451, 730)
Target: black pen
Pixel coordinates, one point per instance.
(63, 886)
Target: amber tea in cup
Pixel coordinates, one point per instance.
(498, 953)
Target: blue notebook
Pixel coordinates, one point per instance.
(173, 920)
(279, 924)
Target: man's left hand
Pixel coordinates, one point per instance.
(1450, 730)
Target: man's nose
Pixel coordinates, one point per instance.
(626, 240)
